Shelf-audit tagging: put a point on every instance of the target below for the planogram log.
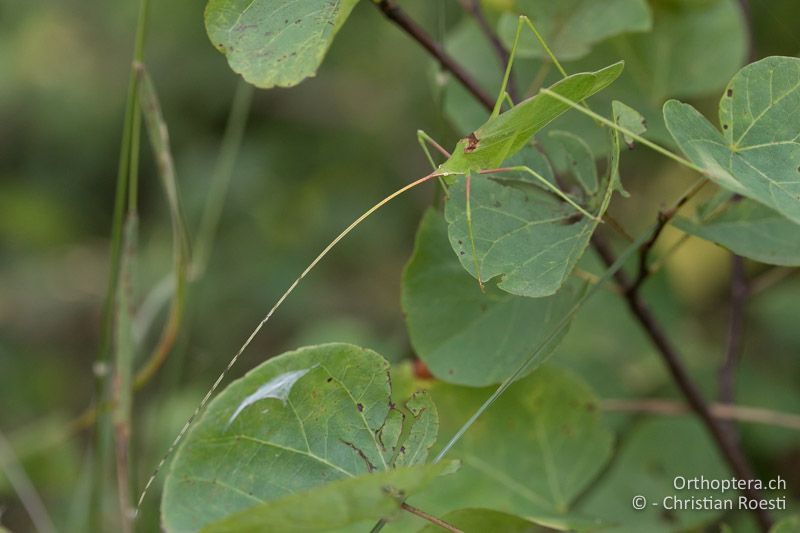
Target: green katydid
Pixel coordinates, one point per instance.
(481, 152)
(504, 134)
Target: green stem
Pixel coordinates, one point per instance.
(128, 160)
(542, 42)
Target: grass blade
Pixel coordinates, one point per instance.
(159, 140)
(221, 178)
(22, 485)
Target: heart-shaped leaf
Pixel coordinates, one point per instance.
(294, 423)
(757, 154)
(525, 237)
(466, 336)
(272, 42)
(651, 456)
(528, 238)
(749, 229)
(539, 447)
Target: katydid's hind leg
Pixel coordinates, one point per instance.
(426, 140)
(543, 43)
(471, 234)
(552, 188)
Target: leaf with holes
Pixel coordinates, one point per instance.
(757, 154)
(532, 455)
(273, 43)
(466, 336)
(747, 228)
(571, 27)
(298, 421)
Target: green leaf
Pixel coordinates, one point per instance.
(749, 229)
(300, 420)
(571, 154)
(757, 154)
(531, 455)
(531, 157)
(530, 239)
(651, 456)
(275, 43)
(526, 238)
(485, 520)
(693, 49)
(466, 336)
(333, 506)
(572, 27)
(628, 118)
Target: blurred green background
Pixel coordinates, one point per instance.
(313, 158)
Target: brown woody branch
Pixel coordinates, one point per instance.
(394, 13)
(724, 439)
(473, 7)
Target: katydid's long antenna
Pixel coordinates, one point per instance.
(261, 324)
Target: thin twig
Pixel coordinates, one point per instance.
(770, 278)
(430, 518)
(393, 12)
(664, 218)
(724, 440)
(23, 486)
(741, 413)
(473, 7)
(734, 344)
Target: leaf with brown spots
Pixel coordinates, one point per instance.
(273, 43)
(293, 424)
